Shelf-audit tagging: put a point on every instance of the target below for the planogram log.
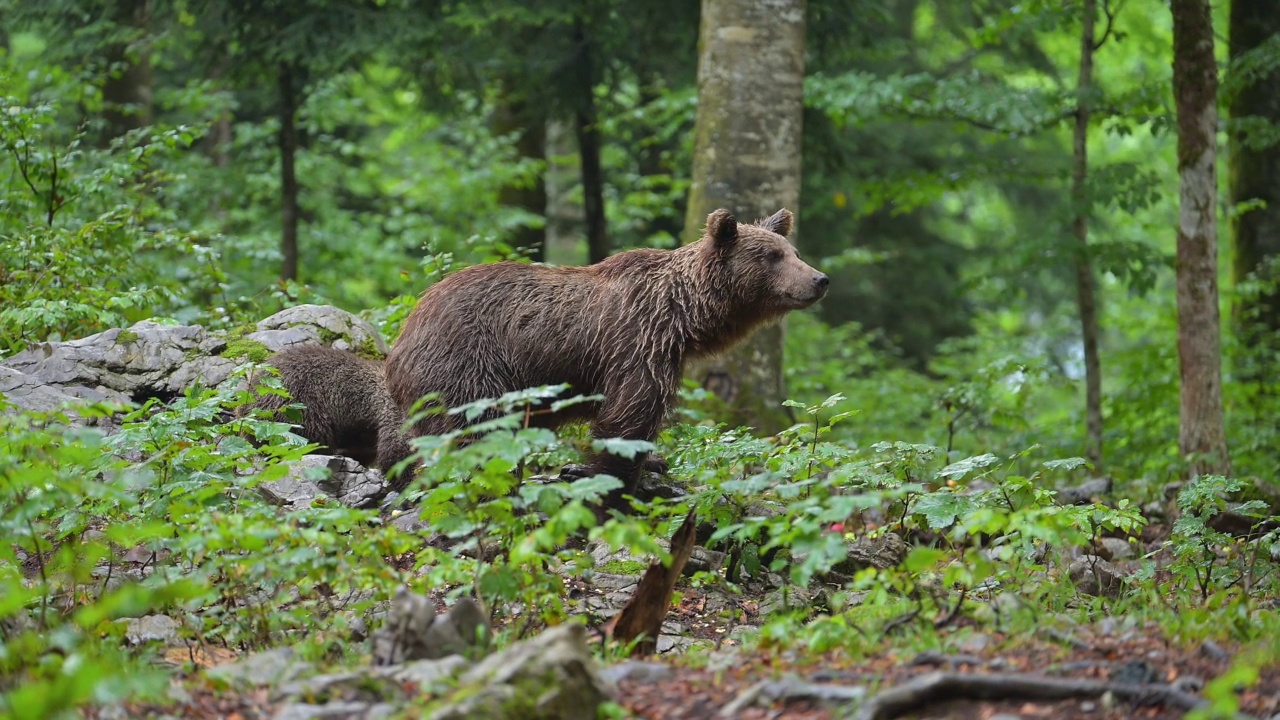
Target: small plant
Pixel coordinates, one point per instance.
(509, 540)
(1209, 559)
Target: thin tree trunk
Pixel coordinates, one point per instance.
(1202, 436)
(288, 176)
(1086, 287)
(1254, 167)
(588, 132)
(592, 185)
(126, 94)
(512, 115)
(747, 160)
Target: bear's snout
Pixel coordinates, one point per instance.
(820, 283)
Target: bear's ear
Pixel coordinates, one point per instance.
(779, 222)
(721, 226)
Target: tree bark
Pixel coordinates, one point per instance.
(288, 178)
(592, 185)
(588, 133)
(1086, 288)
(747, 160)
(512, 115)
(1254, 175)
(1201, 437)
(126, 94)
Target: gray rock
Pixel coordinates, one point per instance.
(291, 491)
(614, 583)
(409, 521)
(270, 667)
(1117, 548)
(29, 393)
(557, 663)
(314, 476)
(974, 644)
(672, 643)
(1085, 492)
(373, 684)
(700, 559)
(791, 688)
(429, 674)
(150, 628)
(334, 711)
(883, 553)
(353, 484)
(413, 630)
(1095, 576)
(317, 325)
(704, 560)
(351, 685)
(784, 598)
(147, 360)
(636, 671)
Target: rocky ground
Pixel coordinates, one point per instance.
(1114, 667)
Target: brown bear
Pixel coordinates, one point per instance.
(347, 407)
(622, 328)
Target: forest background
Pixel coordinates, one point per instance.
(1002, 192)
(936, 187)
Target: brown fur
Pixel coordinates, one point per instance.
(622, 328)
(347, 408)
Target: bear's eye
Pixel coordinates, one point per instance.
(775, 255)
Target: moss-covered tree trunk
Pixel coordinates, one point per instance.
(1201, 436)
(747, 159)
(1086, 287)
(1254, 167)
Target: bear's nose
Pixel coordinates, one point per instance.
(821, 281)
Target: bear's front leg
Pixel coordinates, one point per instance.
(630, 415)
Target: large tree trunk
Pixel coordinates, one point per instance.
(126, 94)
(288, 177)
(512, 115)
(1255, 176)
(1086, 288)
(747, 160)
(1202, 436)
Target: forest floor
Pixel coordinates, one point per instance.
(695, 684)
(694, 692)
(701, 685)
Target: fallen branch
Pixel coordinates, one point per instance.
(936, 687)
(641, 618)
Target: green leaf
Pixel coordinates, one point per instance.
(623, 448)
(968, 465)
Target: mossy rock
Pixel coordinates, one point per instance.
(623, 567)
(243, 349)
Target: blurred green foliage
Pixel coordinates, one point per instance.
(936, 171)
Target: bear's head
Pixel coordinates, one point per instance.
(760, 266)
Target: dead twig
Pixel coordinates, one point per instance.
(935, 687)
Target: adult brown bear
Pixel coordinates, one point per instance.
(622, 328)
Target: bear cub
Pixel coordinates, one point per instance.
(347, 407)
(622, 328)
